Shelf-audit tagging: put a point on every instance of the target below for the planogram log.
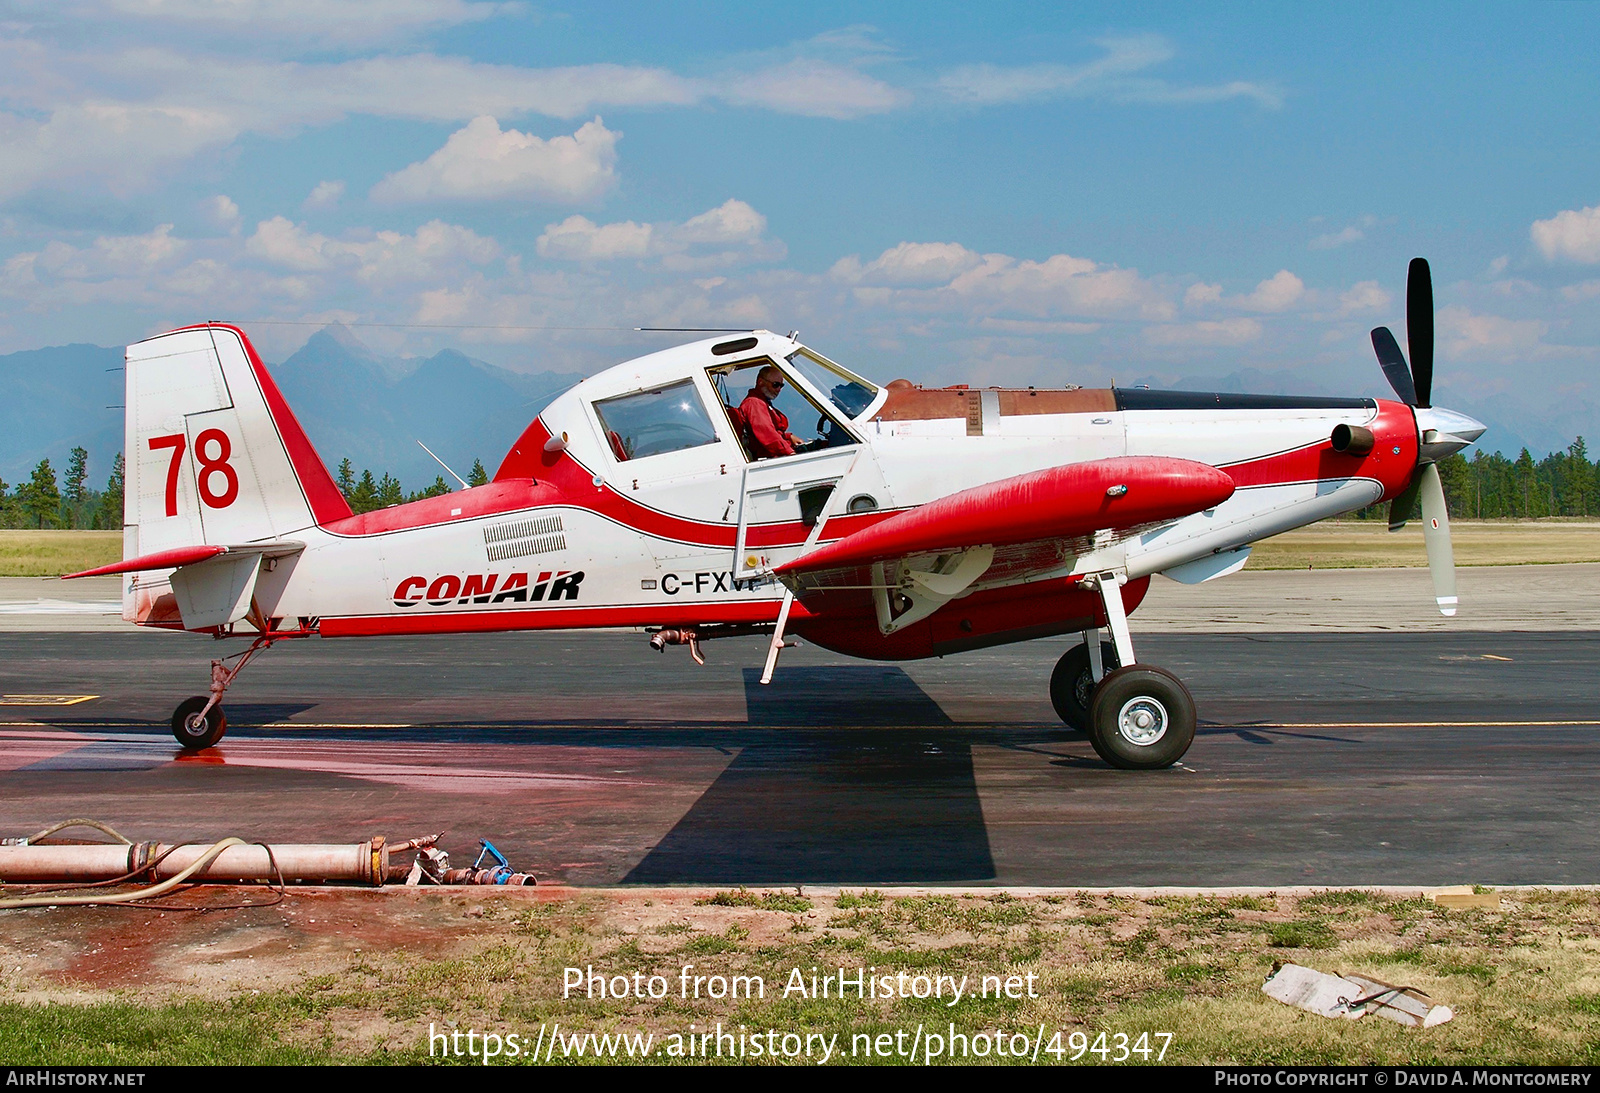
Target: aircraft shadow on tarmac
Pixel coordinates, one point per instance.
(879, 695)
(813, 809)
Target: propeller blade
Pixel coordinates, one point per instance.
(1400, 508)
(1419, 329)
(1436, 537)
(1393, 363)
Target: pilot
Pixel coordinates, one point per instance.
(769, 426)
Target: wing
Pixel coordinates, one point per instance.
(1000, 533)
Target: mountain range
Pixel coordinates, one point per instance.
(352, 403)
(356, 404)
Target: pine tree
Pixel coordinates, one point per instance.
(347, 478)
(364, 498)
(389, 491)
(477, 476)
(439, 488)
(111, 501)
(40, 497)
(77, 471)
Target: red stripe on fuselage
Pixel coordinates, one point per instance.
(528, 459)
(558, 618)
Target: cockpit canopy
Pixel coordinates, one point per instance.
(682, 407)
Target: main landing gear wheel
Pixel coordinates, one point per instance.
(1141, 718)
(193, 731)
(1072, 683)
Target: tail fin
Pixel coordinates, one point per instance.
(214, 454)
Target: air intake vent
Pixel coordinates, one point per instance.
(540, 535)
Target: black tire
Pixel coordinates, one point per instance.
(193, 732)
(1142, 718)
(1072, 683)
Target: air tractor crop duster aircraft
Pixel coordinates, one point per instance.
(911, 523)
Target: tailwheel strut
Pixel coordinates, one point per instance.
(199, 722)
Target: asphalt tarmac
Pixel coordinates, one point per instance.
(1322, 758)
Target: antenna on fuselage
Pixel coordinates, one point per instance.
(445, 465)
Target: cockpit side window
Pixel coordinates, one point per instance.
(667, 419)
(808, 426)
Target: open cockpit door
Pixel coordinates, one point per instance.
(810, 465)
(783, 500)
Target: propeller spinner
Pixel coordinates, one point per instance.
(1440, 432)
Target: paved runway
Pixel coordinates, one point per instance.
(1418, 758)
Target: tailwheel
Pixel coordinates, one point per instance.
(1072, 683)
(1141, 718)
(197, 727)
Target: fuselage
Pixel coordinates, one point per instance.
(635, 499)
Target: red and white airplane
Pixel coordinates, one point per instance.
(918, 522)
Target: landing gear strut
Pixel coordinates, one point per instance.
(1138, 717)
(199, 722)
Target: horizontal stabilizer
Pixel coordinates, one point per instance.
(1065, 502)
(189, 555)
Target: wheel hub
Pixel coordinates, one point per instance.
(1142, 721)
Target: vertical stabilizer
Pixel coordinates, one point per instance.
(213, 454)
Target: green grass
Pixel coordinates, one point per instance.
(1521, 979)
(52, 553)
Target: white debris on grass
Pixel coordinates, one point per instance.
(1352, 997)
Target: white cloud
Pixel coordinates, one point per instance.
(1111, 76)
(1570, 234)
(1223, 332)
(483, 163)
(1583, 290)
(222, 212)
(69, 274)
(909, 264)
(1351, 234)
(325, 195)
(344, 20)
(1464, 334)
(729, 234)
(1363, 296)
(731, 222)
(383, 257)
(1201, 295)
(1061, 286)
(1279, 292)
(282, 242)
(120, 146)
(814, 88)
(580, 239)
(1034, 327)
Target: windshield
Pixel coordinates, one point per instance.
(850, 394)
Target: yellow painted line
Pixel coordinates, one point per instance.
(1491, 656)
(44, 700)
(1405, 724)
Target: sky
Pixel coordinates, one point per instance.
(996, 194)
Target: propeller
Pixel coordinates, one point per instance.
(1414, 385)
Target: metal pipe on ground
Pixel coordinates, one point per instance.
(360, 863)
